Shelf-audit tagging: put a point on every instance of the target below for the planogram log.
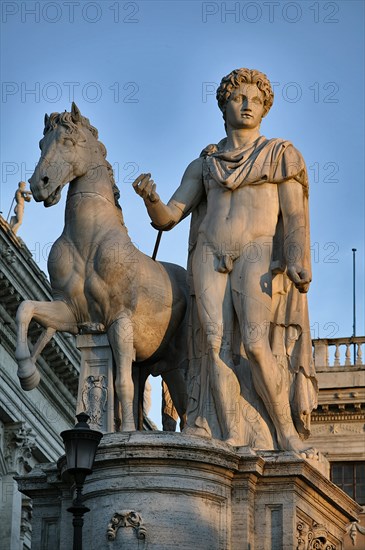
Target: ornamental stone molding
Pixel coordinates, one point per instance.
(26, 516)
(19, 443)
(353, 529)
(94, 398)
(126, 518)
(338, 428)
(313, 537)
(9, 255)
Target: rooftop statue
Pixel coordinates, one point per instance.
(100, 281)
(249, 272)
(21, 195)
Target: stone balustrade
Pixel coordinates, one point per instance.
(343, 353)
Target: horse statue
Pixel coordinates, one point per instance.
(100, 281)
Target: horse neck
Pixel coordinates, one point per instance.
(96, 180)
(97, 184)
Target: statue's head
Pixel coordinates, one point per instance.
(244, 76)
(22, 185)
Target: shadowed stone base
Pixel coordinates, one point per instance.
(162, 491)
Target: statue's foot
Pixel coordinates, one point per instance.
(233, 435)
(294, 443)
(232, 441)
(28, 374)
(196, 430)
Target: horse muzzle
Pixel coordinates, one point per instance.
(43, 189)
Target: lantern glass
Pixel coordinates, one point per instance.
(81, 444)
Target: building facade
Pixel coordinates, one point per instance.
(338, 423)
(30, 422)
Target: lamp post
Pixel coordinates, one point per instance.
(80, 445)
(354, 299)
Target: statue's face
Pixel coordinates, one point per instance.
(245, 107)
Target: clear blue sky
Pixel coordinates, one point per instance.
(144, 74)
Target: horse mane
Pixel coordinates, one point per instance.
(65, 120)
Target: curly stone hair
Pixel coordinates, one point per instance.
(244, 76)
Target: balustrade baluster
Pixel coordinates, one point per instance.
(359, 355)
(337, 362)
(348, 355)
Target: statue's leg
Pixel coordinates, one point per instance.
(17, 219)
(251, 291)
(215, 310)
(52, 316)
(120, 335)
(176, 385)
(15, 226)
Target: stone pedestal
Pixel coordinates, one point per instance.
(96, 386)
(162, 491)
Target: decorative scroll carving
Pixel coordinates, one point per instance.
(352, 529)
(19, 444)
(94, 398)
(313, 537)
(126, 518)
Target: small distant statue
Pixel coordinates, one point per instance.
(21, 195)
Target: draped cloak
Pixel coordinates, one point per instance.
(274, 161)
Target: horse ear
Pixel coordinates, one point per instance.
(46, 120)
(75, 113)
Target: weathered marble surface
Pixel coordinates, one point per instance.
(249, 272)
(190, 492)
(101, 283)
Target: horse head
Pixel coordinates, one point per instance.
(69, 149)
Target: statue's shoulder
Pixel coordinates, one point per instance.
(213, 148)
(208, 150)
(287, 162)
(283, 147)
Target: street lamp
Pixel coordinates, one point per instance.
(80, 445)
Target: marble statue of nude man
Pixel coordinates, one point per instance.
(251, 194)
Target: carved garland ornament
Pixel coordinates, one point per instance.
(126, 518)
(314, 537)
(94, 398)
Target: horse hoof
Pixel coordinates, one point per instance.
(30, 382)
(28, 374)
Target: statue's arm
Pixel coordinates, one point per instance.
(185, 198)
(292, 206)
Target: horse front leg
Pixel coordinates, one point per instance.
(120, 335)
(52, 316)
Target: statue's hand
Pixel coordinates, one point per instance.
(145, 187)
(300, 277)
